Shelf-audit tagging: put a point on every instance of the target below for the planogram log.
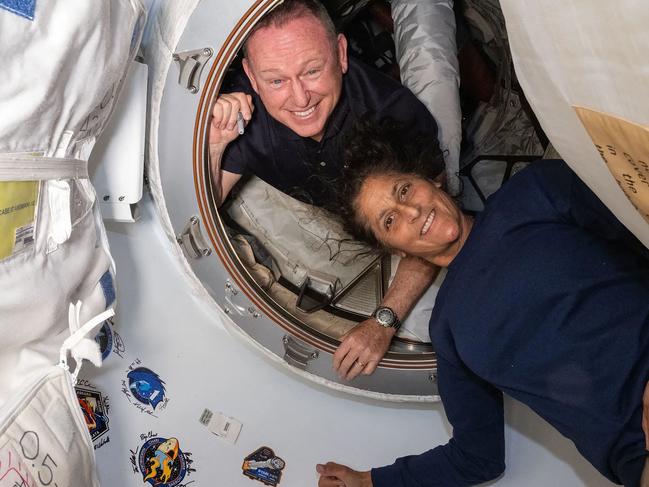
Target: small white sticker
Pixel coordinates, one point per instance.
(221, 425)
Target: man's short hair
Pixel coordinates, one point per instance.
(293, 9)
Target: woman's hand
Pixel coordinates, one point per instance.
(336, 475)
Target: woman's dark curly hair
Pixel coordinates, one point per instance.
(377, 148)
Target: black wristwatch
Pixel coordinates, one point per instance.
(386, 317)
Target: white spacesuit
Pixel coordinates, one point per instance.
(63, 65)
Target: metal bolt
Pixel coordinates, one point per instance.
(207, 252)
(315, 355)
(193, 90)
(193, 220)
(231, 288)
(285, 340)
(121, 198)
(207, 51)
(432, 377)
(226, 310)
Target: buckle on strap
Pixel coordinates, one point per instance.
(24, 167)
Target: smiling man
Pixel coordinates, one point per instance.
(299, 96)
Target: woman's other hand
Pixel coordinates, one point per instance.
(336, 475)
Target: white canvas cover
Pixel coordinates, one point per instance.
(583, 67)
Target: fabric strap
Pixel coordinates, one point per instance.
(24, 167)
(79, 334)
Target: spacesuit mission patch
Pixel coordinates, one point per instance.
(264, 466)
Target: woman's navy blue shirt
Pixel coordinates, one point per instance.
(548, 302)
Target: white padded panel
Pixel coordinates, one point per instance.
(589, 53)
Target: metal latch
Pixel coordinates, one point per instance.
(191, 64)
(297, 353)
(192, 241)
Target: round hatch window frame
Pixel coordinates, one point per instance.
(213, 224)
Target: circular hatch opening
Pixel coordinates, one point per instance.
(290, 259)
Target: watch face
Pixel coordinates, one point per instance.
(385, 316)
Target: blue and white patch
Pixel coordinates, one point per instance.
(107, 286)
(24, 8)
(145, 389)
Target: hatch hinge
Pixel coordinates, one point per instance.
(192, 241)
(297, 353)
(191, 64)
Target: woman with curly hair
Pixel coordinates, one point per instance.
(545, 300)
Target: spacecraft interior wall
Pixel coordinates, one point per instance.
(165, 338)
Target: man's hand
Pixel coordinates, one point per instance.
(335, 475)
(362, 349)
(645, 415)
(223, 128)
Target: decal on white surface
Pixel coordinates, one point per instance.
(221, 425)
(624, 147)
(110, 341)
(161, 462)
(95, 407)
(263, 465)
(144, 389)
